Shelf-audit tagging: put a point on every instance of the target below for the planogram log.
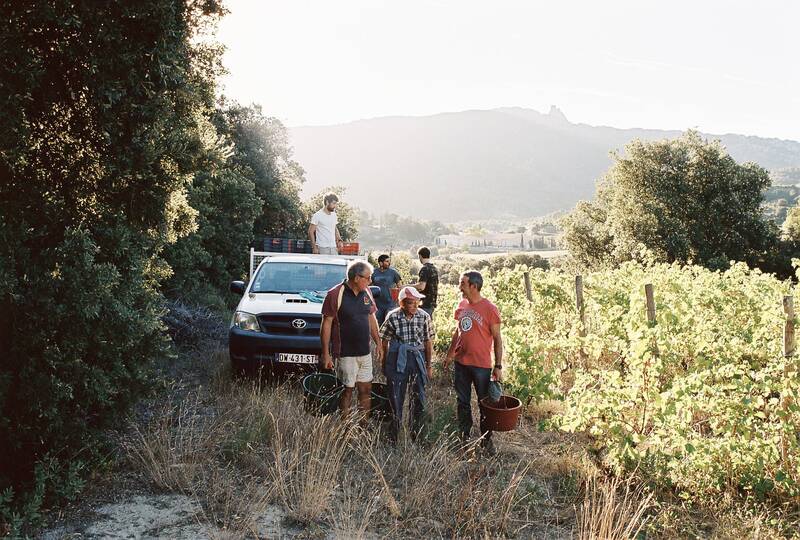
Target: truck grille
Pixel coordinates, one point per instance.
(290, 325)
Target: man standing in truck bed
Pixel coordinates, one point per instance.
(322, 231)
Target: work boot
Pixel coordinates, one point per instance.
(487, 447)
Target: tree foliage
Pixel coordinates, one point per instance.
(261, 152)
(104, 124)
(251, 189)
(674, 200)
(791, 227)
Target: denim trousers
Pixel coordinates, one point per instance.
(465, 377)
(398, 385)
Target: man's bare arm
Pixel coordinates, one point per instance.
(498, 351)
(373, 330)
(312, 232)
(325, 338)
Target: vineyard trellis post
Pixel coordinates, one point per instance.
(651, 311)
(788, 326)
(581, 309)
(528, 292)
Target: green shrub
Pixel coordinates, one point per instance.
(702, 402)
(105, 122)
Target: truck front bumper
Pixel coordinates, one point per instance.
(254, 351)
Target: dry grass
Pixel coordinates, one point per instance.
(230, 501)
(612, 509)
(245, 446)
(307, 462)
(355, 510)
(172, 449)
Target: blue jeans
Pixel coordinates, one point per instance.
(465, 377)
(397, 385)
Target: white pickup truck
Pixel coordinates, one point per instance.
(275, 327)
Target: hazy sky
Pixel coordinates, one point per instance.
(719, 66)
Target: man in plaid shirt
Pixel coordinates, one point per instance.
(407, 341)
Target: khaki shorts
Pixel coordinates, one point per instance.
(353, 369)
(327, 250)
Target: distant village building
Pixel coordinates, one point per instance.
(544, 240)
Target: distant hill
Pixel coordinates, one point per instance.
(508, 162)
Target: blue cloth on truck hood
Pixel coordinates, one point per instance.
(313, 296)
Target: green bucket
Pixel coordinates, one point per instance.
(322, 391)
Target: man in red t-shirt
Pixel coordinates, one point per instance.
(477, 331)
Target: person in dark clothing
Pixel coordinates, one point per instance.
(386, 278)
(428, 283)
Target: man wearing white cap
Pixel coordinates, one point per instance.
(407, 342)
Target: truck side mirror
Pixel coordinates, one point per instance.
(237, 287)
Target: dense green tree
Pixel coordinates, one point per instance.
(587, 235)
(203, 263)
(252, 190)
(674, 200)
(104, 124)
(262, 153)
(791, 227)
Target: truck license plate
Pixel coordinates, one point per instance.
(298, 358)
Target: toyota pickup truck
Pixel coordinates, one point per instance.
(275, 327)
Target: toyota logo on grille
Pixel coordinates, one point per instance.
(299, 323)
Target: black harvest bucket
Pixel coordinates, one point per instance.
(322, 391)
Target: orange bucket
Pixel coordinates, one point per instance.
(501, 415)
(395, 293)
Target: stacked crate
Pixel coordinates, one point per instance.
(349, 248)
(285, 245)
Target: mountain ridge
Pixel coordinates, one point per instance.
(509, 161)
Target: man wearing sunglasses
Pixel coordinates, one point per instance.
(348, 323)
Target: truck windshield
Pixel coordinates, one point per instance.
(286, 277)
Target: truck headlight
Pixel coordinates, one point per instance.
(245, 321)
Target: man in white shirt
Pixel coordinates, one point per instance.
(322, 232)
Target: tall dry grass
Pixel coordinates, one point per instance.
(241, 449)
(307, 463)
(613, 509)
(173, 447)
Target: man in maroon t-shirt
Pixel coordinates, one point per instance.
(348, 316)
(477, 331)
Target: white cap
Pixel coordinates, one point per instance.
(412, 292)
